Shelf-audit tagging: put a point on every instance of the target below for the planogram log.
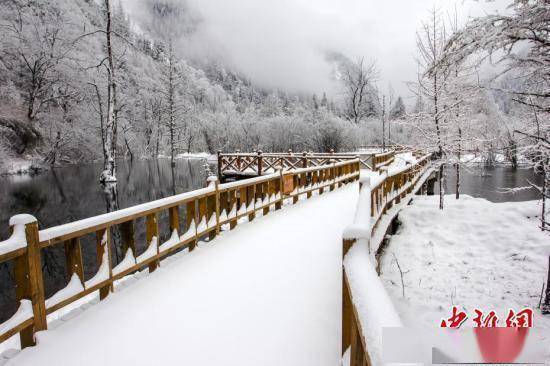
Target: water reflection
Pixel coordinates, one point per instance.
(72, 193)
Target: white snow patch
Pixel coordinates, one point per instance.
(374, 306)
(128, 262)
(171, 242)
(73, 287)
(473, 253)
(191, 231)
(23, 313)
(151, 251)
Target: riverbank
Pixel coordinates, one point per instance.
(33, 165)
(473, 254)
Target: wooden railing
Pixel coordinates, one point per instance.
(190, 216)
(259, 163)
(389, 189)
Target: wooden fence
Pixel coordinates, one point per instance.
(387, 192)
(191, 216)
(255, 164)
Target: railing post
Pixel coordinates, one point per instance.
(73, 257)
(104, 247)
(219, 164)
(152, 232)
(217, 188)
(304, 159)
(347, 307)
(260, 162)
(279, 202)
(28, 277)
(191, 222)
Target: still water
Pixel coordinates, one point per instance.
(493, 183)
(73, 192)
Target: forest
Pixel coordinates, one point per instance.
(81, 81)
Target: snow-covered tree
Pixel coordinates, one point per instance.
(398, 109)
(520, 43)
(360, 95)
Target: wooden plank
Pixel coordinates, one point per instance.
(73, 257)
(152, 231)
(250, 198)
(21, 329)
(232, 203)
(128, 239)
(174, 218)
(22, 291)
(104, 244)
(202, 213)
(36, 281)
(279, 191)
(191, 219)
(211, 211)
(288, 183)
(266, 192)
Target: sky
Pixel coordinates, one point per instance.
(283, 43)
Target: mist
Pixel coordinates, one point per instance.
(283, 44)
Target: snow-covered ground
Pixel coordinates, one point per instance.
(473, 254)
(267, 293)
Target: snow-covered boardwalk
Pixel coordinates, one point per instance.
(265, 294)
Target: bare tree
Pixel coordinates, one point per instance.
(37, 47)
(430, 40)
(498, 38)
(111, 127)
(358, 79)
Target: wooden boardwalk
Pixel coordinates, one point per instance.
(278, 279)
(263, 294)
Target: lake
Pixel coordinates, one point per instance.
(491, 182)
(73, 192)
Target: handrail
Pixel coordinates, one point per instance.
(260, 163)
(394, 187)
(192, 216)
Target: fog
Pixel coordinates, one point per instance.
(282, 44)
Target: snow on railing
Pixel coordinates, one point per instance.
(367, 307)
(204, 214)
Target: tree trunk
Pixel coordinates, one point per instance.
(109, 171)
(458, 164)
(441, 185)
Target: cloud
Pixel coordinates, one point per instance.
(282, 43)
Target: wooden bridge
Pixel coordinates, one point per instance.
(245, 165)
(180, 222)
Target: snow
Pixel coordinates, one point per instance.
(191, 231)
(361, 227)
(18, 239)
(151, 251)
(474, 253)
(103, 271)
(128, 261)
(23, 313)
(173, 241)
(374, 307)
(22, 219)
(212, 221)
(202, 225)
(228, 302)
(73, 287)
